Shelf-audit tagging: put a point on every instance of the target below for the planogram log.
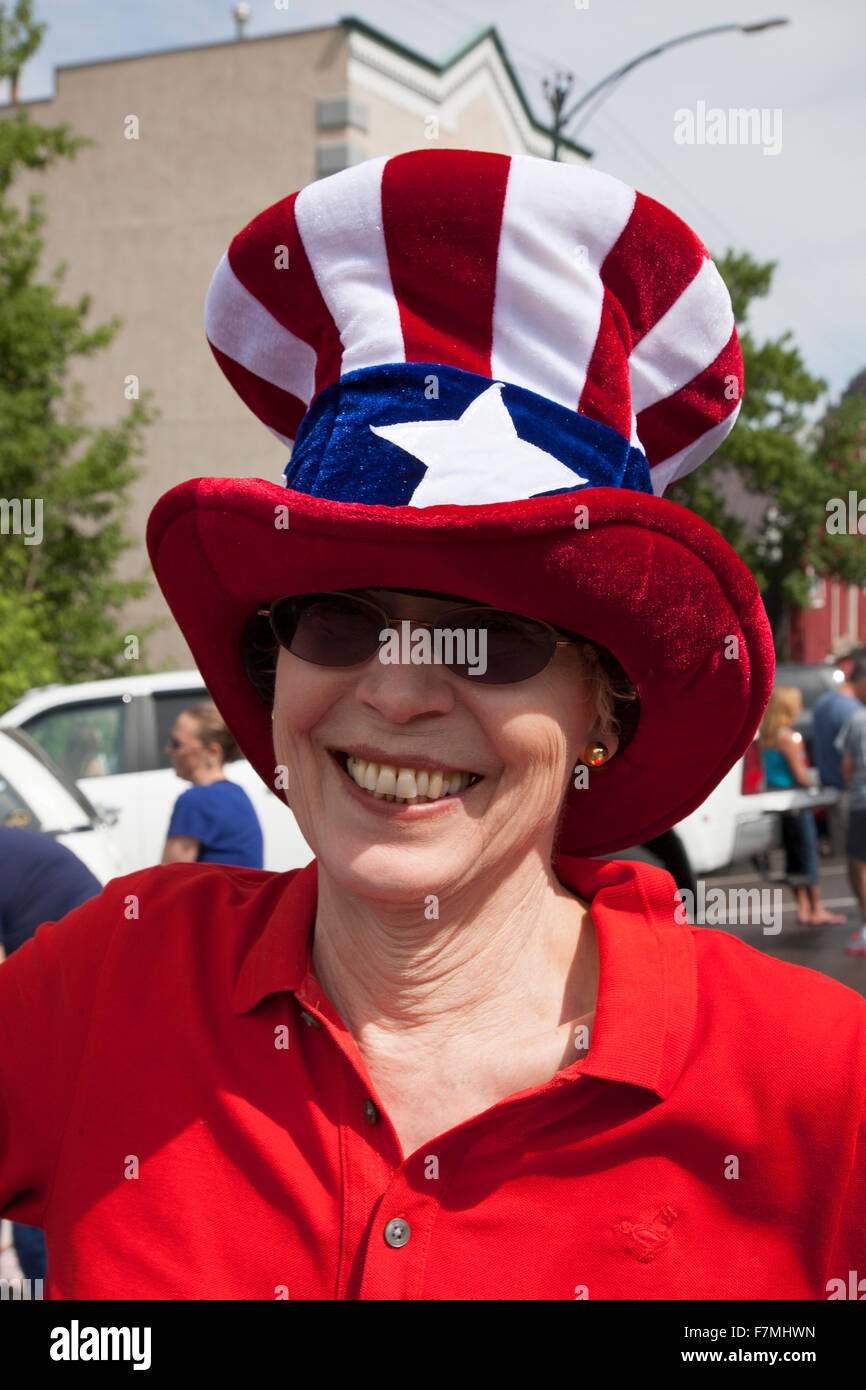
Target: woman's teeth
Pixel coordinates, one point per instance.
(391, 783)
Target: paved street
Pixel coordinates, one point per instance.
(818, 948)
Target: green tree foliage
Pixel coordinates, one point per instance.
(785, 479)
(20, 36)
(840, 448)
(61, 600)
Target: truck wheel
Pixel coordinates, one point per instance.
(668, 848)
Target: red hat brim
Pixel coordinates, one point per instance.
(645, 578)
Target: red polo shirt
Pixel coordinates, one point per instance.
(187, 1117)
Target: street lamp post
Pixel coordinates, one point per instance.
(560, 121)
(241, 16)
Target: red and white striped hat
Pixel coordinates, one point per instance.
(489, 369)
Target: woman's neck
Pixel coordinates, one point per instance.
(203, 777)
(499, 962)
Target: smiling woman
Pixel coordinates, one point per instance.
(402, 1064)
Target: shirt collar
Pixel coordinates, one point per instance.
(281, 954)
(647, 996)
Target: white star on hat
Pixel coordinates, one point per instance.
(477, 458)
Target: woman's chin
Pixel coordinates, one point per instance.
(396, 873)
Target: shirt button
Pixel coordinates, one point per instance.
(397, 1232)
(371, 1111)
(309, 1020)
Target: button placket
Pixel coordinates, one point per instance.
(397, 1232)
(395, 1258)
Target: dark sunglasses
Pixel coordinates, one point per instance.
(343, 629)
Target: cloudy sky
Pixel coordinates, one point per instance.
(802, 204)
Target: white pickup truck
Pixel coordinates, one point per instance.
(110, 737)
(740, 819)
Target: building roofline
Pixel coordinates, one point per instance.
(348, 23)
(351, 22)
(184, 48)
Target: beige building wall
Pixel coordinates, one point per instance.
(223, 131)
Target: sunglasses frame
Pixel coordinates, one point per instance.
(417, 622)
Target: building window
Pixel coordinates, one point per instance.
(853, 613)
(333, 113)
(817, 589)
(331, 158)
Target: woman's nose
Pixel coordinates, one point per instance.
(401, 691)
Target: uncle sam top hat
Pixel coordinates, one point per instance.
(488, 368)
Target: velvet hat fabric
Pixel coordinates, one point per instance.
(488, 370)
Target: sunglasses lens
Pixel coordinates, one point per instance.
(327, 629)
(482, 644)
(508, 648)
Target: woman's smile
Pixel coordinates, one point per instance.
(399, 789)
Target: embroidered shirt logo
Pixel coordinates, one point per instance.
(647, 1238)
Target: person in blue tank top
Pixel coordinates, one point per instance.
(214, 822)
(785, 766)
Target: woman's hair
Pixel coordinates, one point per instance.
(615, 697)
(784, 706)
(211, 729)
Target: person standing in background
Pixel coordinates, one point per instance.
(214, 822)
(831, 713)
(785, 766)
(851, 746)
(40, 881)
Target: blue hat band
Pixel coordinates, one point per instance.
(424, 434)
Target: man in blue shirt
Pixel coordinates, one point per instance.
(40, 881)
(851, 746)
(830, 714)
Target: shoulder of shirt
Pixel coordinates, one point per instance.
(172, 894)
(155, 908)
(170, 879)
(207, 791)
(780, 990)
(188, 791)
(796, 1029)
